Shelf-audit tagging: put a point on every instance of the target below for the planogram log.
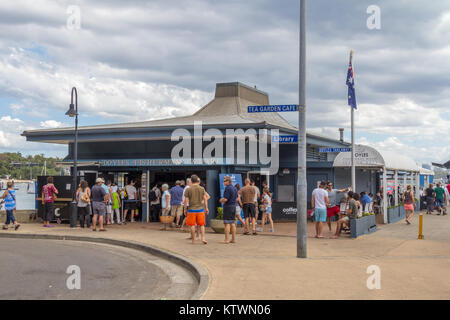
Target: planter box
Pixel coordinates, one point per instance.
(364, 225)
(396, 214)
(217, 225)
(22, 216)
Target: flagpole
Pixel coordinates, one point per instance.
(353, 138)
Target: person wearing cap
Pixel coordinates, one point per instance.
(99, 200)
(176, 201)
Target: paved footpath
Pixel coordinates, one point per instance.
(265, 266)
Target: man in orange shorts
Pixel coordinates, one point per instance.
(197, 199)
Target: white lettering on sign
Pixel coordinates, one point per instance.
(361, 155)
(290, 210)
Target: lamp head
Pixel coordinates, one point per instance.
(72, 112)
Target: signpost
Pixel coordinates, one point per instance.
(302, 233)
(335, 149)
(273, 108)
(285, 139)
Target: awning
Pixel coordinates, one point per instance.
(368, 157)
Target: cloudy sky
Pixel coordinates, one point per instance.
(141, 60)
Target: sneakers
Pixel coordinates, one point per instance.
(259, 229)
(271, 230)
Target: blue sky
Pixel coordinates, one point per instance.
(142, 60)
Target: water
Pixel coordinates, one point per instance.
(25, 200)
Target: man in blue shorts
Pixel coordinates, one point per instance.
(319, 204)
(229, 201)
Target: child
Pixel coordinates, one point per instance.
(115, 205)
(267, 214)
(10, 206)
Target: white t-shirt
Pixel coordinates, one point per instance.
(319, 198)
(184, 198)
(131, 192)
(267, 201)
(257, 193)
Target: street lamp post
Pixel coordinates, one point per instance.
(301, 172)
(73, 112)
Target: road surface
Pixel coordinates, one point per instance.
(36, 269)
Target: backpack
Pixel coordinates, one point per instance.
(152, 195)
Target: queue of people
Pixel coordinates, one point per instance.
(436, 198)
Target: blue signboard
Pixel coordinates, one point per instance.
(285, 139)
(274, 108)
(335, 149)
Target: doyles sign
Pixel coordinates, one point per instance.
(364, 157)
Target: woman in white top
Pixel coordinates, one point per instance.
(165, 200)
(267, 214)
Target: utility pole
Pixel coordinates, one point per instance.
(301, 172)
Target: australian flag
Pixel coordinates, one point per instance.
(351, 85)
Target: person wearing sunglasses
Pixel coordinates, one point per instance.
(333, 208)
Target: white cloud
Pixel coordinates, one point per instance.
(135, 60)
(48, 124)
(111, 98)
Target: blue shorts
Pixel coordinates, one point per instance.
(440, 203)
(320, 215)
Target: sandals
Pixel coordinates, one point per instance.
(5, 227)
(16, 227)
(246, 233)
(102, 229)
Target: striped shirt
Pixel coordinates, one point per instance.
(10, 200)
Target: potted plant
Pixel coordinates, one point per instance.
(217, 223)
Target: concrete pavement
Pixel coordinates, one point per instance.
(265, 266)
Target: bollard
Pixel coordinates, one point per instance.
(420, 226)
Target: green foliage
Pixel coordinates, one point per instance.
(21, 170)
(367, 214)
(219, 214)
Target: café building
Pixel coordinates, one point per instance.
(221, 137)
